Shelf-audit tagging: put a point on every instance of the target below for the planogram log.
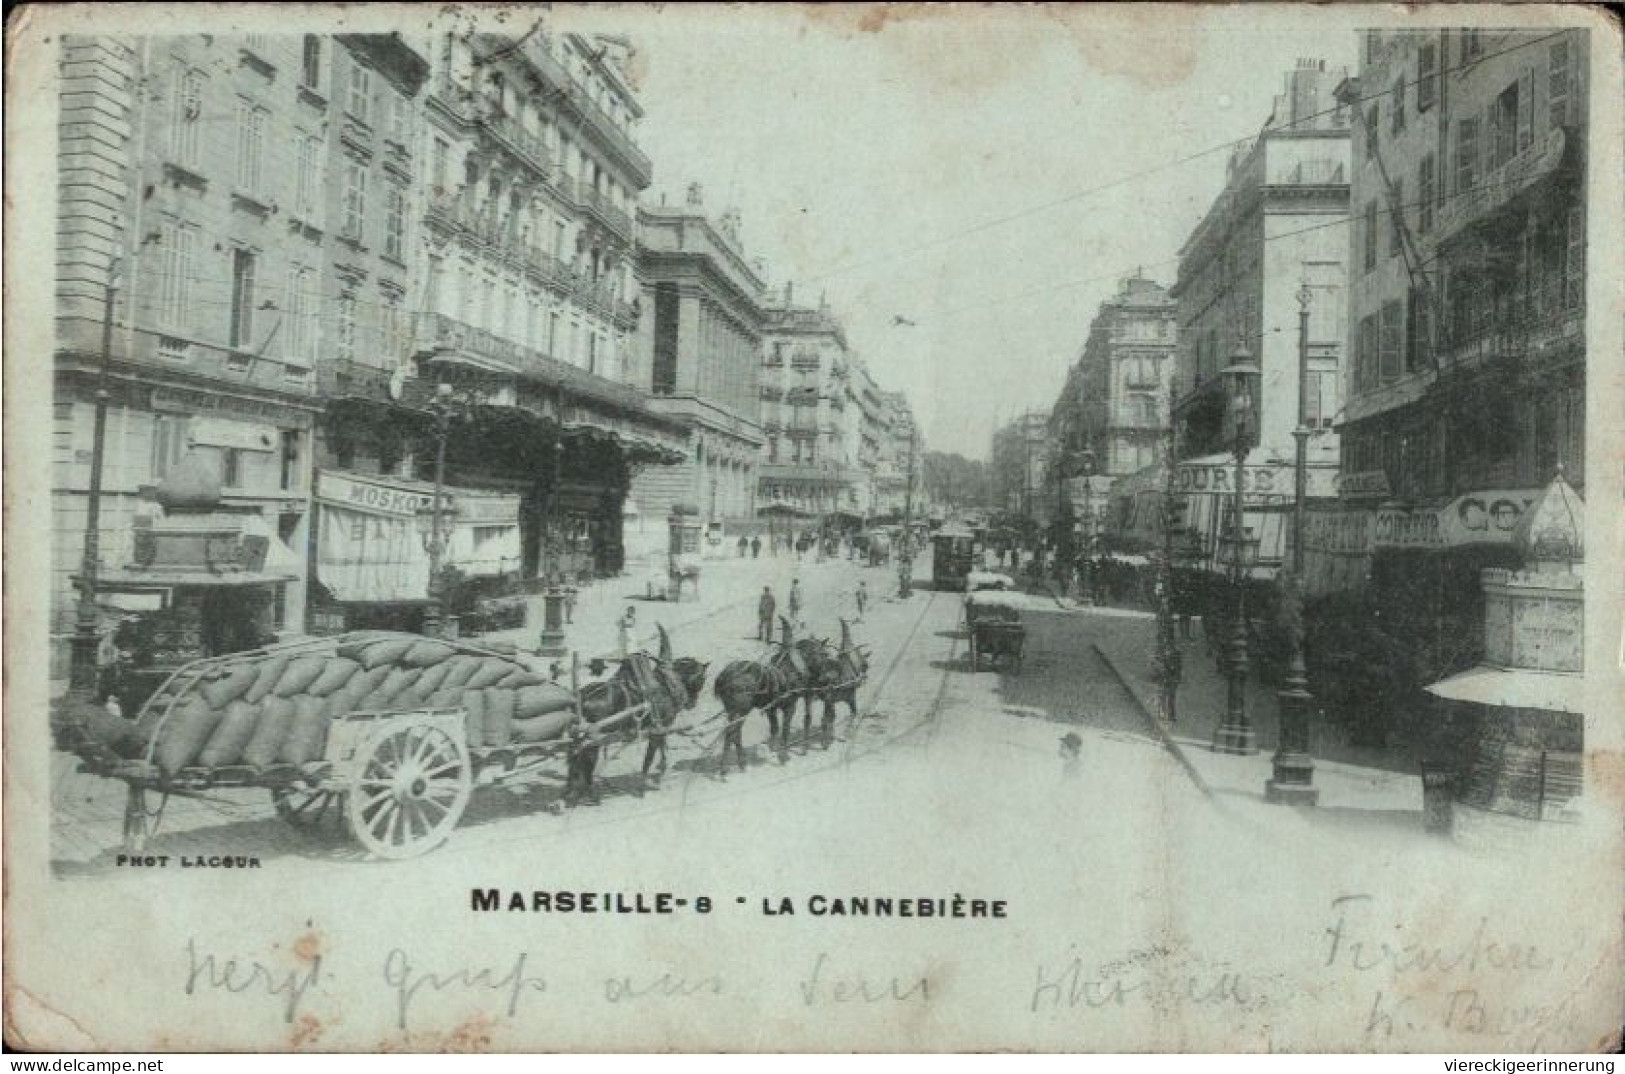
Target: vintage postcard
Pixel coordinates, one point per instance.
(813, 528)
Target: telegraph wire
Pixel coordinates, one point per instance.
(1160, 168)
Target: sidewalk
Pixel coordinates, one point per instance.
(1348, 777)
(729, 586)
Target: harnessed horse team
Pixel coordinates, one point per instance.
(648, 691)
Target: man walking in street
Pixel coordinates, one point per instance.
(756, 547)
(795, 602)
(764, 614)
(862, 598)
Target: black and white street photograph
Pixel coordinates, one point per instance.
(813, 528)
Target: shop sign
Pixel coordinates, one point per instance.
(1363, 485)
(487, 508)
(374, 498)
(1489, 517)
(242, 435)
(187, 401)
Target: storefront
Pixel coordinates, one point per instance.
(372, 541)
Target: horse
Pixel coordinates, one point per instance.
(850, 672)
(667, 685)
(796, 669)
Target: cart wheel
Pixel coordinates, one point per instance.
(135, 820)
(412, 783)
(310, 809)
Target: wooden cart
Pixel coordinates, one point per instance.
(997, 635)
(397, 780)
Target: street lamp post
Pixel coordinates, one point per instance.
(87, 621)
(1086, 469)
(1293, 769)
(444, 407)
(1235, 733)
(1169, 658)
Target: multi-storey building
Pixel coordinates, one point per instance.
(1117, 395)
(702, 334)
(1275, 235)
(899, 460)
(182, 264)
(1020, 457)
(526, 178)
(1466, 393)
(1275, 227)
(1467, 295)
(810, 465)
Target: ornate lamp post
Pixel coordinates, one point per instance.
(445, 407)
(1086, 470)
(1293, 769)
(1235, 733)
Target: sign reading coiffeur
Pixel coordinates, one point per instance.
(1477, 518)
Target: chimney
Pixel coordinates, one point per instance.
(789, 292)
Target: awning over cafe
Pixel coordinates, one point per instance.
(372, 544)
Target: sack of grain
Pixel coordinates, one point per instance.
(308, 736)
(498, 716)
(520, 677)
(433, 678)
(541, 699)
(459, 669)
(270, 672)
(334, 675)
(426, 654)
(183, 735)
(275, 724)
(394, 685)
(231, 684)
(473, 702)
(543, 728)
(386, 652)
(302, 671)
(231, 734)
(492, 670)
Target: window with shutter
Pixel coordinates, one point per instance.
(1574, 262)
(1427, 76)
(1396, 218)
(242, 299)
(1526, 108)
(1557, 82)
(1393, 319)
(1369, 236)
(1425, 195)
(1398, 97)
(1504, 117)
(186, 121)
(1466, 155)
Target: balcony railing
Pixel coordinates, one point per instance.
(804, 362)
(538, 53)
(437, 333)
(583, 195)
(1503, 183)
(523, 144)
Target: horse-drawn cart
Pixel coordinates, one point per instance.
(997, 635)
(385, 735)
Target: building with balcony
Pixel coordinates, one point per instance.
(520, 216)
(181, 259)
(699, 348)
(1274, 228)
(899, 490)
(1116, 400)
(806, 470)
(1276, 232)
(1467, 295)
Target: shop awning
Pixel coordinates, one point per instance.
(1514, 688)
(473, 361)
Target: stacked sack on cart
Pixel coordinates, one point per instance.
(275, 706)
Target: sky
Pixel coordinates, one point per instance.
(942, 165)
